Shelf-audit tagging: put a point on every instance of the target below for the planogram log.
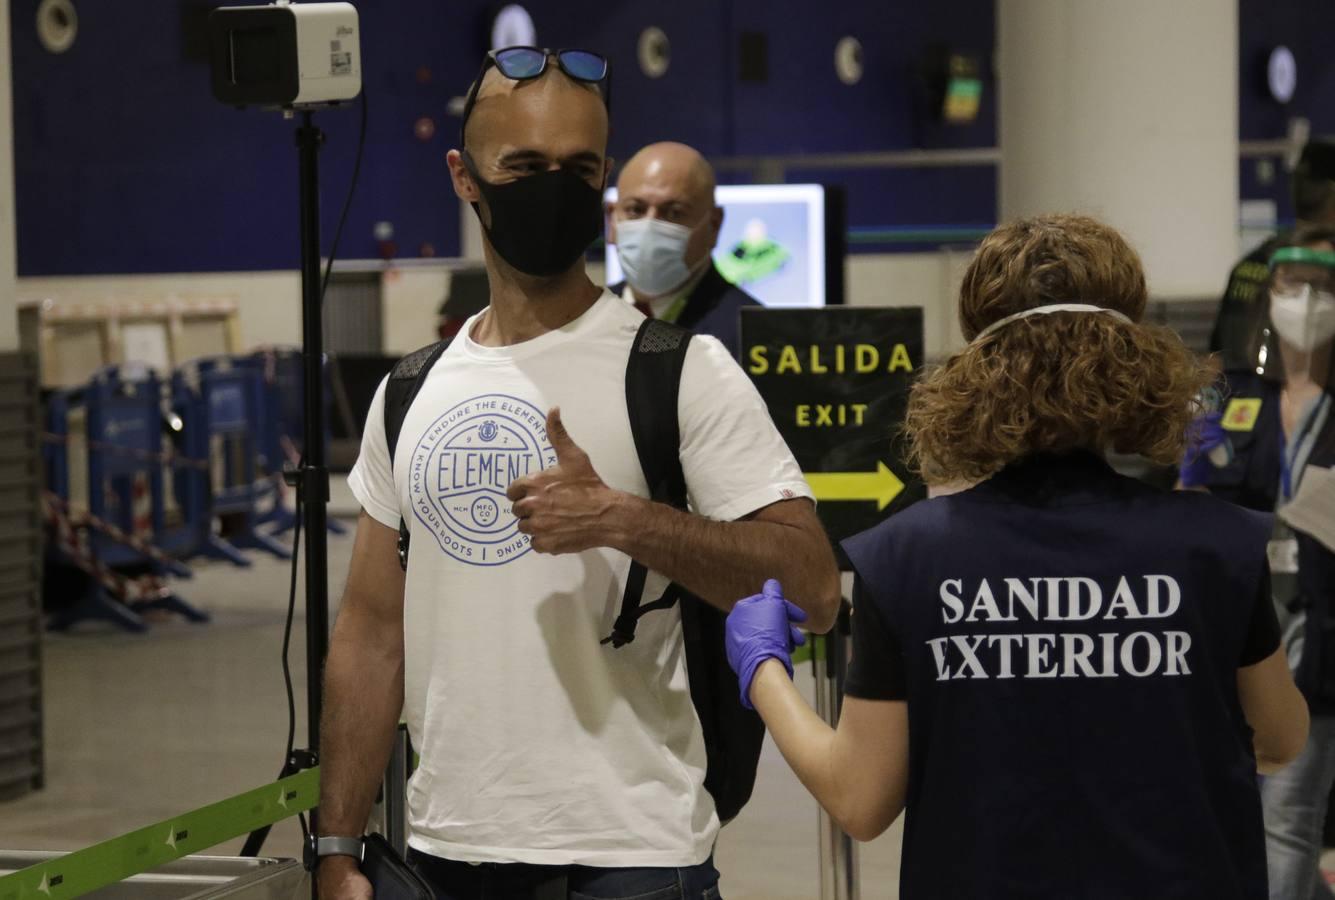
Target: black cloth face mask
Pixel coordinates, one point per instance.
(540, 224)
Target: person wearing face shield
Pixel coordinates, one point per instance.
(1277, 435)
(553, 763)
(665, 225)
(1246, 295)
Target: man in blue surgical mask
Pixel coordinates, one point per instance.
(665, 224)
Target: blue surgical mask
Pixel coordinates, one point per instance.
(653, 255)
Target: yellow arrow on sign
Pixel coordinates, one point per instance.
(883, 486)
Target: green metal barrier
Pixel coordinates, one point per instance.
(83, 871)
(815, 646)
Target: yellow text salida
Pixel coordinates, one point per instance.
(814, 359)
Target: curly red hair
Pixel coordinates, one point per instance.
(1060, 381)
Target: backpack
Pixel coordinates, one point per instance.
(733, 734)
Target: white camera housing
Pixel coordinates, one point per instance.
(286, 55)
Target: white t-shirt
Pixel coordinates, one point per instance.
(538, 744)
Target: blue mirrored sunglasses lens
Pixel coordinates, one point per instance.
(584, 65)
(520, 62)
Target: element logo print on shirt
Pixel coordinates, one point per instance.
(461, 467)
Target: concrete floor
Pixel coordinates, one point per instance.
(141, 728)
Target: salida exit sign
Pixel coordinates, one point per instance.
(836, 381)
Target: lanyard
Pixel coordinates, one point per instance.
(673, 312)
(1286, 464)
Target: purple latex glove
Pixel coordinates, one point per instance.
(1205, 434)
(759, 628)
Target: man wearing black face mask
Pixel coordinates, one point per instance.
(549, 762)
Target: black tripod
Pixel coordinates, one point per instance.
(310, 478)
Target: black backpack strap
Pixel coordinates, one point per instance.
(653, 382)
(405, 382)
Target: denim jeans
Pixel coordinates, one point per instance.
(451, 880)
(1294, 801)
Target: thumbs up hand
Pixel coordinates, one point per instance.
(562, 508)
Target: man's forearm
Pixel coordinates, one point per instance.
(363, 697)
(722, 562)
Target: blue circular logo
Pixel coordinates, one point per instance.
(460, 470)
(485, 511)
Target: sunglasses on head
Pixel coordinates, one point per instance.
(527, 63)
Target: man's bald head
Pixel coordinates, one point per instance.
(673, 183)
(561, 97)
(669, 170)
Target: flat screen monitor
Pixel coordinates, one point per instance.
(773, 243)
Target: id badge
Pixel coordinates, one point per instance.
(1283, 556)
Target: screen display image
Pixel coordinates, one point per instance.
(772, 243)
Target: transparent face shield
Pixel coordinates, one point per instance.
(1296, 326)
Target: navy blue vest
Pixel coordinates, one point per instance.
(1252, 480)
(1068, 641)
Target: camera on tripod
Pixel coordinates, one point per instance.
(298, 58)
(286, 55)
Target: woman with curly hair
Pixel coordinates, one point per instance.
(1067, 678)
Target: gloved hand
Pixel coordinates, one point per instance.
(759, 628)
(1205, 434)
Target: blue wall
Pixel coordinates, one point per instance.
(125, 163)
(1307, 27)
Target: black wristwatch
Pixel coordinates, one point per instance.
(319, 847)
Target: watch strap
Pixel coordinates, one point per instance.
(328, 845)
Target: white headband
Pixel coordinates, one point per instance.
(1048, 310)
